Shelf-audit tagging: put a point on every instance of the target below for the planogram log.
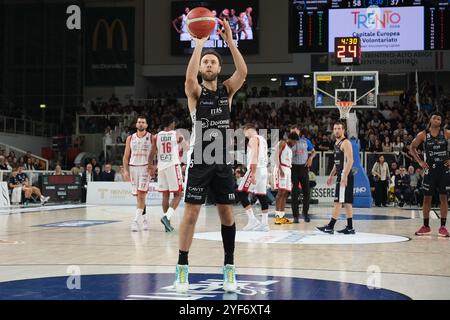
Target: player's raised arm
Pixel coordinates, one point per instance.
(191, 86)
(235, 82)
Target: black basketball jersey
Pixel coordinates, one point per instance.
(212, 117)
(435, 149)
(339, 157)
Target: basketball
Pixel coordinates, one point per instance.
(200, 22)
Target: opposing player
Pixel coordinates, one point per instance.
(182, 22)
(343, 162)
(255, 179)
(170, 178)
(436, 165)
(247, 33)
(210, 107)
(136, 165)
(282, 175)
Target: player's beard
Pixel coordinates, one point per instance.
(209, 76)
(140, 129)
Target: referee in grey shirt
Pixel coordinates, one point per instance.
(301, 162)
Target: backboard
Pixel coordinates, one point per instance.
(358, 87)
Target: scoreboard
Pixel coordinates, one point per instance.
(401, 24)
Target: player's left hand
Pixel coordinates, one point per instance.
(151, 170)
(343, 181)
(447, 163)
(225, 33)
(253, 179)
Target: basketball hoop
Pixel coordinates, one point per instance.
(344, 108)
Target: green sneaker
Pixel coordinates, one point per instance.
(166, 223)
(181, 283)
(229, 278)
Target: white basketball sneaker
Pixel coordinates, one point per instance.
(252, 224)
(181, 283)
(44, 200)
(229, 278)
(134, 226)
(145, 225)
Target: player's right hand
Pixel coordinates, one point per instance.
(329, 181)
(126, 176)
(424, 165)
(280, 170)
(199, 42)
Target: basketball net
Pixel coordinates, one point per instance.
(344, 111)
(344, 108)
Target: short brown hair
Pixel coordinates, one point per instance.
(339, 122)
(248, 126)
(141, 116)
(214, 53)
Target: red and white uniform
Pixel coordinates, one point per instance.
(260, 187)
(170, 178)
(285, 161)
(140, 153)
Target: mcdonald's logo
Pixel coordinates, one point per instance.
(109, 34)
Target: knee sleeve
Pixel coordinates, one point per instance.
(243, 198)
(263, 201)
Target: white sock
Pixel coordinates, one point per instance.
(138, 214)
(279, 214)
(169, 213)
(250, 214)
(265, 218)
(282, 213)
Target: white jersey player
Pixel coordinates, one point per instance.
(282, 175)
(170, 178)
(214, 35)
(183, 29)
(247, 21)
(136, 166)
(255, 179)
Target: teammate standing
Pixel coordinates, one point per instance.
(136, 166)
(210, 107)
(170, 178)
(436, 165)
(282, 175)
(343, 162)
(255, 179)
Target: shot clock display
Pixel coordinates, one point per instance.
(381, 25)
(347, 50)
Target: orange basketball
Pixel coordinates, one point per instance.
(200, 22)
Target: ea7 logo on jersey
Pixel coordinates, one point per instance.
(215, 111)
